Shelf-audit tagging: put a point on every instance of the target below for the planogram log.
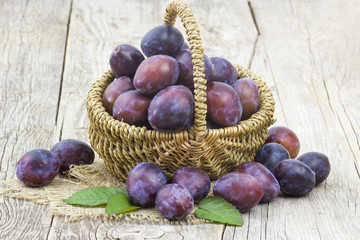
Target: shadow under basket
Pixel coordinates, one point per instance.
(216, 151)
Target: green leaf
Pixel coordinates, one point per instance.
(119, 203)
(93, 196)
(219, 210)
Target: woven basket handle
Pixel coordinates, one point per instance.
(178, 7)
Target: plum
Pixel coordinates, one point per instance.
(156, 73)
(193, 179)
(37, 167)
(264, 176)
(223, 71)
(241, 190)
(249, 96)
(295, 177)
(319, 163)
(73, 152)
(271, 154)
(186, 68)
(172, 109)
(114, 89)
(285, 137)
(124, 60)
(223, 104)
(162, 39)
(173, 201)
(143, 183)
(131, 107)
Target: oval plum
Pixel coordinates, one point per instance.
(37, 167)
(295, 177)
(319, 163)
(241, 190)
(193, 179)
(271, 154)
(162, 39)
(172, 109)
(115, 89)
(131, 107)
(73, 152)
(124, 60)
(249, 96)
(264, 176)
(285, 137)
(156, 73)
(174, 201)
(224, 107)
(186, 68)
(223, 71)
(143, 183)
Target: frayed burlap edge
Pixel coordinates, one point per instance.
(80, 177)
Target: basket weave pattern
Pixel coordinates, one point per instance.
(216, 151)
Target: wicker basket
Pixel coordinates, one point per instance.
(216, 151)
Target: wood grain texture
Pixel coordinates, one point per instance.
(32, 37)
(307, 63)
(307, 52)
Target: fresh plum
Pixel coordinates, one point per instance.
(186, 68)
(295, 177)
(174, 201)
(271, 154)
(131, 107)
(249, 96)
(37, 168)
(239, 189)
(285, 137)
(319, 163)
(156, 73)
(171, 109)
(264, 176)
(193, 179)
(223, 71)
(124, 60)
(143, 183)
(223, 104)
(162, 39)
(73, 152)
(114, 89)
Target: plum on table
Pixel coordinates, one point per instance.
(72, 152)
(143, 183)
(37, 167)
(241, 190)
(195, 180)
(271, 154)
(173, 201)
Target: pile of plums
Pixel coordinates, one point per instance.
(274, 170)
(146, 186)
(157, 92)
(39, 167)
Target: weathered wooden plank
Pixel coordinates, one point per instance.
(95, 29)
(307, 48)
(32, 37)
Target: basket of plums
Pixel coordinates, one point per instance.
(169, 123)
(173, 106)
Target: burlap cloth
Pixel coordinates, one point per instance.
(81, 177)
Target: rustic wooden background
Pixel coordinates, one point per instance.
(307, 51)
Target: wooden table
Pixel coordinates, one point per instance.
(307, 51)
